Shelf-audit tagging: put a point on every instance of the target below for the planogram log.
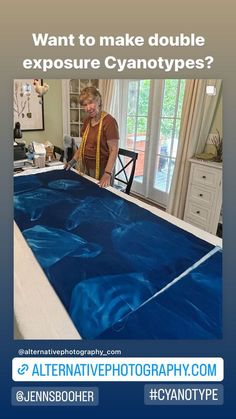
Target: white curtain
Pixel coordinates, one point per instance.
(197, 116)
(110, 91)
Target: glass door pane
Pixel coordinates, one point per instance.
(167, 139)
(137, 122)
(152, 114)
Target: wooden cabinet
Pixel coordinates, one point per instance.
(73, 113)
(204, 196)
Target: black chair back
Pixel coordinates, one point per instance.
(125, 173)
(57, 151)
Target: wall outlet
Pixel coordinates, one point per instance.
(210, 90)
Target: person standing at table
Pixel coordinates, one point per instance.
(98, 150)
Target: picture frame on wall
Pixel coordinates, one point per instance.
(28, 108)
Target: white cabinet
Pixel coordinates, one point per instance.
(204, 196)
(73, 113)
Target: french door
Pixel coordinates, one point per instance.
(152, 113)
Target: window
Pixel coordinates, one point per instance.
(173, 93)
(152, 114)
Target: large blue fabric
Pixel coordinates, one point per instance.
(190, 308)
(106, 257)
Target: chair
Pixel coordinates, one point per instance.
(58, 153)
(125, 174)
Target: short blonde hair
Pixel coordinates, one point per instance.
(90, 93)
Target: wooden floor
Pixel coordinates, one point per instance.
(147, 201)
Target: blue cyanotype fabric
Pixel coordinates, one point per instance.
(191, 308)
(52, 244)
(116, 296)
(104, 256)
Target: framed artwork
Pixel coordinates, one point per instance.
(27, 105)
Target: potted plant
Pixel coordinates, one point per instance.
(217, 141)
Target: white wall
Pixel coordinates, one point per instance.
(53, 131)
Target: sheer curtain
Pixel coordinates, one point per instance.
(197, 116)
(111, 90)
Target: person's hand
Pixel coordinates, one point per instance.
(67, 166)
(70, 164)
(105, 181)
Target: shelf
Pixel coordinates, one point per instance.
(73, 114)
